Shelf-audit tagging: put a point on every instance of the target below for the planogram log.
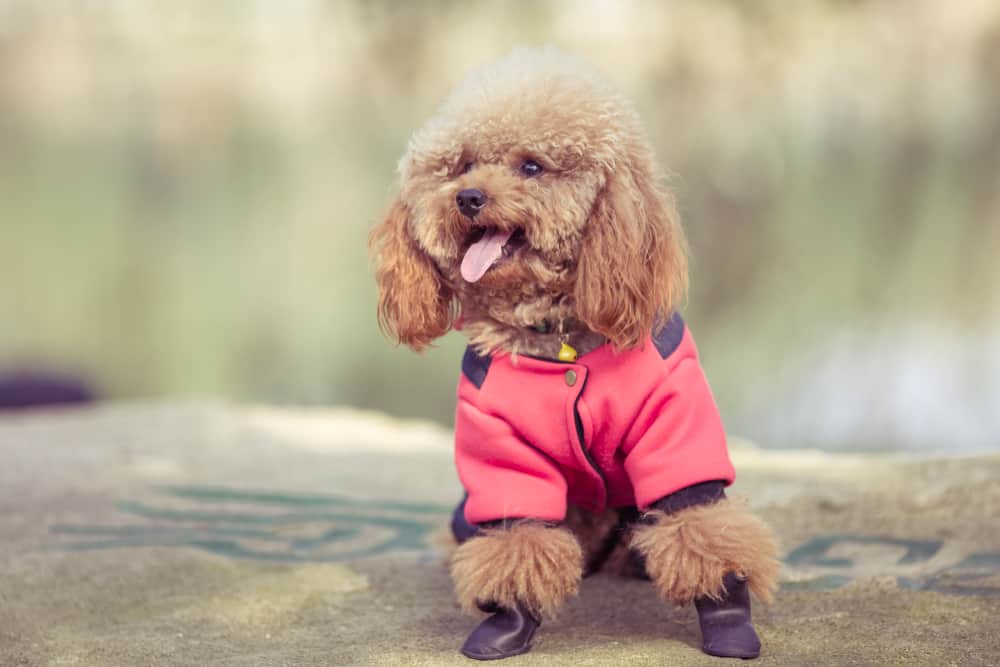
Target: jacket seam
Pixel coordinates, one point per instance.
(581, 439)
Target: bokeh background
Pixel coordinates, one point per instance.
(186, 189)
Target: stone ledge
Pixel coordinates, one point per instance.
(206, 533)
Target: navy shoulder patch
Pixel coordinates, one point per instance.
(475, 367)
(668, 339)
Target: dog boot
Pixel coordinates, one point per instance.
(506, 633)
(726, 630)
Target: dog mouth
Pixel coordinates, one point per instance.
(487, 247)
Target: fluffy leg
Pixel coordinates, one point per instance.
(519, 574)
(688, 553)
(527, 563)
(713, 555)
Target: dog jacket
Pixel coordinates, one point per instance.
(611, 429)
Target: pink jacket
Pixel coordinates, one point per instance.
(608, 430)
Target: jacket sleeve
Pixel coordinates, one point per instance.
(504, 476)
(678, 439)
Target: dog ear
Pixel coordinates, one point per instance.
(633, 265)
(414, 305)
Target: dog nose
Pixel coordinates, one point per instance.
(470, 202)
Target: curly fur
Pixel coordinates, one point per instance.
(423, 310)
(530, 563)
(604, 246)
(688, 553)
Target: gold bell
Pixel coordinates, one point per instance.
(566, 352)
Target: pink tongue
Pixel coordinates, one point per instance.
(483, 254)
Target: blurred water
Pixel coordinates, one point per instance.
(917, 386)
(186, 189)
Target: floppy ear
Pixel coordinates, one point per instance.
(414, 305)
(633, 264)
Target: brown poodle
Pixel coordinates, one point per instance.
(531, 217)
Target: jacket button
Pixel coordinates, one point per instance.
(570, 378)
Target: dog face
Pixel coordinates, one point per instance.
(533, 181)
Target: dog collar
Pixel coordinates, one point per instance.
(566, 351)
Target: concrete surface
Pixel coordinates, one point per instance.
(207, 534)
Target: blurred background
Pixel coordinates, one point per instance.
(186, 189)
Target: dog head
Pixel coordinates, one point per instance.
(532, 180)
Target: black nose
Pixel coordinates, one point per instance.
(470, 202)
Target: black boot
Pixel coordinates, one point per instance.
(726, 630)
(506, 633)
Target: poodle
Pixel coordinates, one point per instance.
(532, 218)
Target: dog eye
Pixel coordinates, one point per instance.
(467, 167)
(531, 168)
